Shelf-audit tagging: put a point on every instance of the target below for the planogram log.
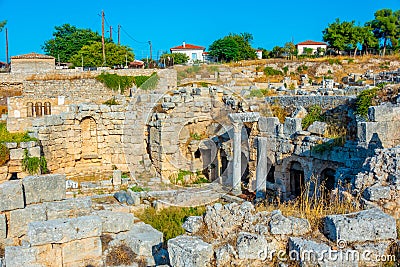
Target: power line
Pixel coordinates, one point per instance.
(132, 37)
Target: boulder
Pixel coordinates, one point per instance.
(291, 126)
(193, 224)
(64, 230)
(254, 247)
(225, 254)
(281, 225)
(11, 196)
(124, 197)
(318, 128)
(189, 251)
(366, 225)
(300, 112)
(44, 188)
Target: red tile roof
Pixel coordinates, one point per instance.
(188, 47)
(310, 42)
(32, 55)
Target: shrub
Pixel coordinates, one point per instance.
(332, 61)
(259, 93)
(279, 112)
(137, 188)
(329, 145)
(6, 136)
(4, 154)
(269, 71)
(116, 82)
(364, 101)
(120, 255)
(34, 165)
(169, 220)
(150, 83)
(111, 102)
(314, 114)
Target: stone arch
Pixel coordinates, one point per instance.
(38, 109)
(296, 180)
(327, 180)
(89, 137)
(47, 108)
(30, 109)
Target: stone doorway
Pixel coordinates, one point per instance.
(327, 180)
(296, 179)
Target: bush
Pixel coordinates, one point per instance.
(4, 154)
(169, 220)
(150, 83)
(314, 114)
(329, 145)
(116, 82)
(34, 165)
(269, 71)
(120, 255)
(364, 101)
(7, 137)
(111, 102)
(279, 112)
(259, 93)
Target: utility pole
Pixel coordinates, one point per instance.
(7, 47)
(119, 34)
(111, 33)
(102, 37)
(151, 50)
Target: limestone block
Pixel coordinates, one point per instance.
(17, 153)
(366, 225)
(11, 145)
(64, 230)
(318, 128)
(253, 246)
(3, 226)
(85, 251)
(142, 239)
(115, 222)
(268, 125)
(193, 224)
(28, 144)
(19, 219)
(385, 112)
(116, 180)
(38, 256)
(189, 251)
(311, 253)
(224, 255)
(11, 196)
(376, 193)
(3, 173)
(34, 151)
(291, 126)
(281, 225)
(44, 188)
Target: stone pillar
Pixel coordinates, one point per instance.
(262, 167)
(237, 159)
(117, 180)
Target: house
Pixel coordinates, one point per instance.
(301, 47)
(194, 52)
(32, 63)
(259, 53)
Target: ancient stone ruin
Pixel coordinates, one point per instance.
(188, 146)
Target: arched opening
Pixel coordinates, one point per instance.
(197, 154)
(296, 179)
(14, 176)
(328, 180)
(29, 109)
(271, 175)
(47, 108)
(89, 138)
(38, 109)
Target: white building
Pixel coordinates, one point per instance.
(194, 52)
(310, 44)
(259, 54)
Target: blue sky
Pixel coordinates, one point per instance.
(168, 23)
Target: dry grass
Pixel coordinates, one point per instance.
(279, 112)
(315, 207)
(1, 251)
(120, 255)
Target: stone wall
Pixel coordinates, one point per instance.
(327, 102)
(17, 152)
(26, 65)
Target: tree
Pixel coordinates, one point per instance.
(68, 40)
(277, 51)
(368, 39)
(92, 55)
(174, 58)
(233, 47)
(265, 52)
(385, 27)
(290, 49)
(338, 35)
(2, 24)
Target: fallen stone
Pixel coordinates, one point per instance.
(318, 128)
(311, 253)
(38, 256)
(44, 188)
(252, 246)
(11, 196)
(115, 222)
(193, 224)
(87, 251)
(189, 251)
(281, 225)
(376, 193)
(64, 230)
(19, 219)
(225, 254)
(366, 225)
(124, 197)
